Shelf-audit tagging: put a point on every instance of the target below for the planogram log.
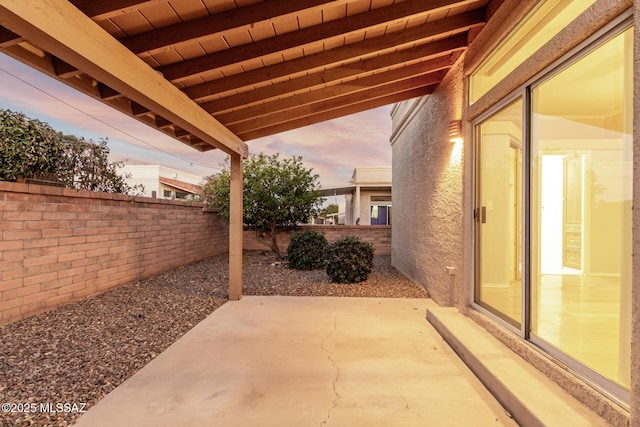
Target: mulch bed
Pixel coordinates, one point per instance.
(78, 353)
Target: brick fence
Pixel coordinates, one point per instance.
(379, 235)
(60, 245)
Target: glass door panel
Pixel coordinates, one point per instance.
(581, 179)
(499, 214)
(380, 215)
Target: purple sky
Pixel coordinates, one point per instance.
(333, 149)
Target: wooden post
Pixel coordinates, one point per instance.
(235, 229)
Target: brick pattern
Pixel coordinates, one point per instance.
(60, 245)
(379, 235)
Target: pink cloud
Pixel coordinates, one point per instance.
(333, 148)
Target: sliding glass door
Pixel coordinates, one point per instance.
(581, 176)
(568, 287)
(499, 214)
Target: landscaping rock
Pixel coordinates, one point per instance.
(78, 353)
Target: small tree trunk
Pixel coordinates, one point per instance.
(274, 241)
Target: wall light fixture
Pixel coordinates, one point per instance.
(455, 130)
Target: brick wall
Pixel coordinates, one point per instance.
(59, 245)
(379, 235)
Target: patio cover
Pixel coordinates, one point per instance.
(217, 73)
(214, 73)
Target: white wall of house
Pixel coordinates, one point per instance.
(369, 183)
(149, 177)
(372, 175)
(381, 200)
(369, 186)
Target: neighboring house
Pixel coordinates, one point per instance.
(367, 198)
(162, 182)
(522, 217)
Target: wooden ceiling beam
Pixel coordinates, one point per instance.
(95, 9)
(65, 32)
(341, 96)
(322, 59)
(102, 9)
(88, 86)
(214, 25)
(454, 25)
(162, 123)
(192, 141)
(179, 132)
(423, 74)
(8, 38)
(44, 63)
(138, 110)
(63, 69)
(108, 93)
(338, 28)
(201, 28)
(336, 113)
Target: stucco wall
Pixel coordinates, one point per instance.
(59, 245)
(427, 191)
(432, 217)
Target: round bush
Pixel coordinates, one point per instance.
(306, 250)
(349, 260)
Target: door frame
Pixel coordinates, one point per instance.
(523, 95)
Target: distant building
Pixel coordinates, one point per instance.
(367, 197)
(162, 182)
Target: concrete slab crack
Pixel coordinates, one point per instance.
(337, 368)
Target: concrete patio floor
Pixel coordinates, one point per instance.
(305, 361)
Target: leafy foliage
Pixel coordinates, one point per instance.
(27, 147)
(349, 260)
(88, 168)
(329, 209)
(276, 193)
(306, 250)
(30, 148)
(215, 190)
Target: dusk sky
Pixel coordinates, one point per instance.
(333, 149)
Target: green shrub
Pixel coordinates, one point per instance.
(306, 250)
(33, 149)
(27, 147)
(348, 260)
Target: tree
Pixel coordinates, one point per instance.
(87, 167)
(329, 209)
(30, 149)
(27, 147)
(276, 193)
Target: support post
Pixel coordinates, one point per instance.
(235, 229)
(356, 204)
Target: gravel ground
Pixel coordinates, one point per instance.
(78, 353)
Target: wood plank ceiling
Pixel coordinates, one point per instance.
(264, 67)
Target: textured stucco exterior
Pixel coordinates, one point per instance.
(427, 191)
(635, 291)
(433, 187)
